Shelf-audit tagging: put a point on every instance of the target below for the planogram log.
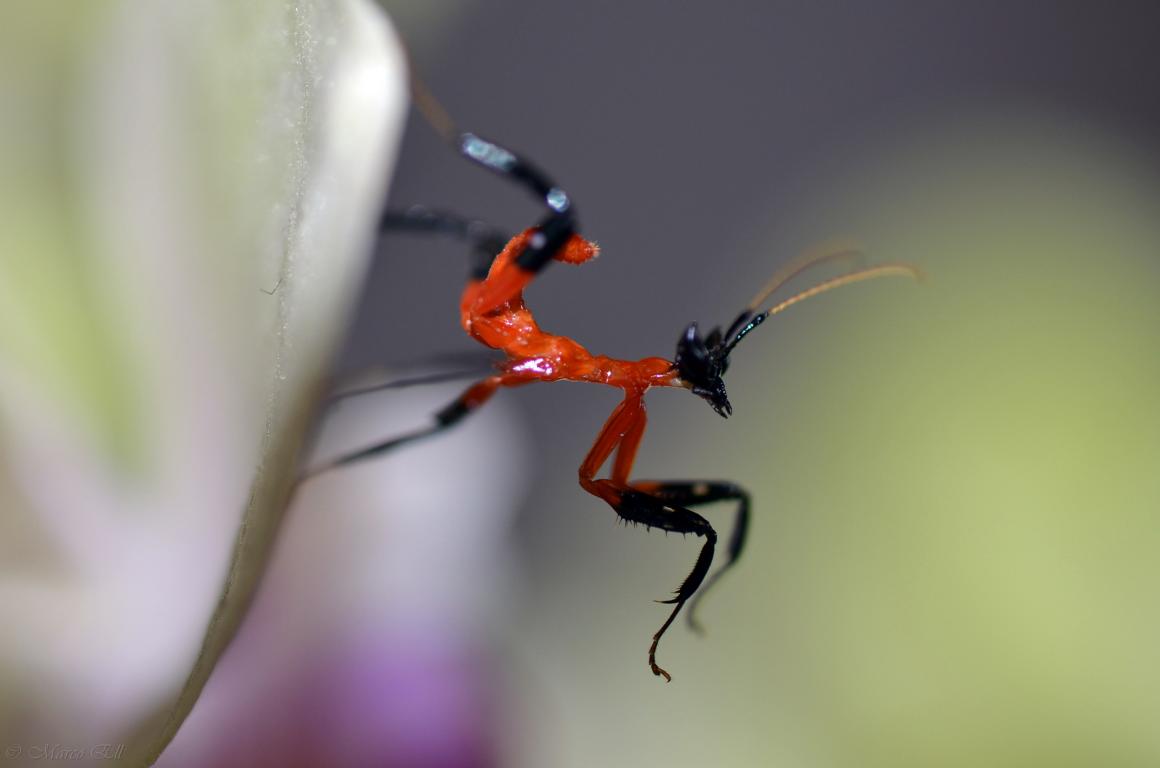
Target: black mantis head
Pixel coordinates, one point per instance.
(701, 362)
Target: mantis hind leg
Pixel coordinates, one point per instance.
(448, 416)
(485, 240)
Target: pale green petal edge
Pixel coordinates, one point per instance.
(359, 100)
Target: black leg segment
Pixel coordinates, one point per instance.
(486, 241)
(556, 226)
(451, 414)
(692, 493)
(637, 505)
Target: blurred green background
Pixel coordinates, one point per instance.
(952, 555)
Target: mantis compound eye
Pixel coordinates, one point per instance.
(693, 359)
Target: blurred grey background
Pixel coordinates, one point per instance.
(681, 130)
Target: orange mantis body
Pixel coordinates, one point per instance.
(493, 312)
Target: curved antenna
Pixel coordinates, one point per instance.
(838, 250)
(835, 251)
(898, 268)
(889, 269)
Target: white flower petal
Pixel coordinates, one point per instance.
(192, 189)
